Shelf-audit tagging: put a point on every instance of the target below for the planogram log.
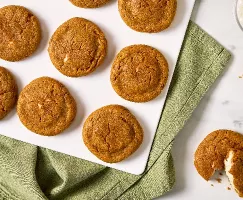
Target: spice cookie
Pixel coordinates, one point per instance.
(212, 151)
(20, 33)
(146, 15)
(234, 170)
(89, 3)
(139, 73)
(112, 133)
(8, 92)
(77, 47)
(46, 107)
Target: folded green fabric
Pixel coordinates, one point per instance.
(29, 172)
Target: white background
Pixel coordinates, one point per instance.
(222, 107)
(93, 91)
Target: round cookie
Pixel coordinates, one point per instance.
(89, 3)
(139, 73)
(146, 15)
(46, 107)
(8, 92)
(20, 33)
(77, 47)
(212, 151)
(112, 133)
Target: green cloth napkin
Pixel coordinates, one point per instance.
(29, 172)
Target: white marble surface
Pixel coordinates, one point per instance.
(221, 108)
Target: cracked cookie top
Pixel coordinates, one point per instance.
(89, 3)
(46, 107)
(77, 47)
(112, 133)
(8, 92)
(212, 151)
(139, 73)
(20, 33)
(147, 15)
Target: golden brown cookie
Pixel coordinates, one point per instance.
(212, 151)
(20, 33)
(89, 3)
(77, 47)
(234, 170)
(46, 107)
(146, 15)
(8, 92)
(112, 133)
(139, 73)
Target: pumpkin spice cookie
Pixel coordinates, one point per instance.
(20, 33)
(46, 107)
(139, 73)
(234, 170)
(8, 92)
(146, 15)
(77, 47)
(212, 151)
(89, 3)
(112, 133)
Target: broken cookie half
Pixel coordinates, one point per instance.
(234, 170)
(212, 151)
(221, 149)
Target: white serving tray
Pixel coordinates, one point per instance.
(94, 91)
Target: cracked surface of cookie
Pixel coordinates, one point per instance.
(46, 107)
(139, 73)
(8, 92)
(89, 3)
(112, 133)
(20, 33)
(234, 170)
(212, 151)
(77, 47)
(146, 15)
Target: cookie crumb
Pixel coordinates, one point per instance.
(212, 185)
(228, 188)
(220, 174)
(241, 76)
(219, 180)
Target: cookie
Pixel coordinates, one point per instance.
(46, 107)
(77, 47)
(212, 151)
(146, 15)
(8, 92)
(234, 170)
(112, 133)
(20, 33)
(89, 3)
(139, 73)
